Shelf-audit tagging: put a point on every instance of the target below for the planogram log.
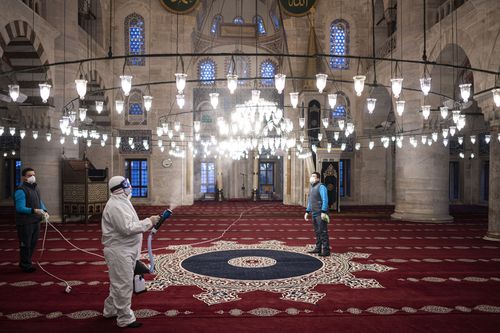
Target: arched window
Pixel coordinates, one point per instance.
(238, 20)
(241, 68)
(206, 71)
(275, 20)
(339, 44)
(134, 39)
(340, 109)
(215, 24)
(261, 29)
(135, 109)
(267, 72)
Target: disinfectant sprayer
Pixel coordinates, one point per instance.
(140, 268)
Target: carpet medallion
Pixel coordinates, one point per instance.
(227, 269)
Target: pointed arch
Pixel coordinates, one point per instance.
(339, 44)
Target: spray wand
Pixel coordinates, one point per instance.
(165, 215)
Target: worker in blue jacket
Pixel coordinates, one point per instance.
(318, 205)
(30, 210)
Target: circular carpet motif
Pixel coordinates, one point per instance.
(227, 269)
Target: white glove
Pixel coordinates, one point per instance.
(325, 217)
(47, 215)
(306, 216)
(39, 211)
(154, 219)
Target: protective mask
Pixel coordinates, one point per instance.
(312, 180)
(31, 180)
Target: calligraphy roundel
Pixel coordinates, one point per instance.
(297, 7)
(179, 6)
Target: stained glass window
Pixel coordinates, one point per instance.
(275, 20)
(134, 39)
(261, 29)
(267, 72)
(238, 20)
(339, 44)
(207, 177)
(215, 24)
(18, 172)
(339, 111)
(137, 173)
(135, 109)
(206, 71)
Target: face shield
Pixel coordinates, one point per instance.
(125, 184)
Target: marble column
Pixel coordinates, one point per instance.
(422, 175)
(220, 185)
(255, 173)
(494, 194)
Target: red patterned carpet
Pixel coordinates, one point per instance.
(384, 276)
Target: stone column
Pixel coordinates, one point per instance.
(220, 186)
(422, 175)
(494, 194)
(255, 173)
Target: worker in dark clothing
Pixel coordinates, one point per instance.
(30, 211)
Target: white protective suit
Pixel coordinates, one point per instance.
(122, 239)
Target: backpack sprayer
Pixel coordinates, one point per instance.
(140, 268)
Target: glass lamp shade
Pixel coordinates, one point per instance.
(341, 124)
(424, 139)
(180, 100)
(336, 135)
(197, 136)
(48, 136)
(426, 111)
(445, 132)
(498, 137)
(425, 85)
(496, 97)
(397, 86)
(182, 136)
(197, 126)
(370, 104)
(119, 105)
(14, 91)
(302, 122)
(359, 84)
(22, 133)
(232, 82)
(118, 141)
(1, 130)
(445, 142)
(130, 141)
(444, 112)
(357, 146)
(371, 144)
(294, 99)
(326, 122)
(279, 82)
(89, 143)
(103, 143)
(170, 134)
(159, 131)
(350, 128)
(214, 99)
(62, 140)
(462, 155)
(75, 140)
(487, 138)
(12, 130)
(455, 116)
(44, 91)
(177, 126)
(465, 91)
(343, 146)
(126, 82)
(434, 136)
(321, 81)
(400, 107)
(301, 139)
(82, 113)
(99, 106)
(81, 87)
(148, 102)
(72, 116)
(255, 96)
(320, 136)
(35, 135)
(329, 147)
(461, 122)
(105, 137)
(453, 130)
(473, 139)
(332, 100)
(460, 140)
(180, 82)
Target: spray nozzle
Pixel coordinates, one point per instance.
(165, 215)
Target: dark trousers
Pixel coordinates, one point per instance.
(321, 230)
(28, 236)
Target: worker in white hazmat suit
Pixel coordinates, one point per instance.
(122, 239)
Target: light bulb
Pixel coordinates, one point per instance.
(336, 135)
(461, 122)
(444, 112)
(180, 82)
(22, 133)
(498, 137)
(321, 81)
(341, 124)
(48, 136)
(148, 102)
(82, 114)
(425, 85)
(400, 107)
(445, 142)
(320, 136)
(89, 143)
(357, 146)
(35, 135)
(255, 96)
(473, 139)
(14, 91)
(445, 132)
(180, 101)
(426, 111)
(214, 99)
(302, 122)
(487, 138)
(462, 155)
(44, 91)
(343, 146)
(424, 139)
(472, 155)
(370, 104)
(496, 97)
(279, 82)
(455, 116)
(177, 126)
(359, 84)
(371, 144)
(332, 100)
(99, 106)
(1, 130)
(465, 91)
(232, 82)
(294, 99)
(12, 130)
(126, 82)
(453, 130)
(326, 122)
(119, 104)
(350, 128)
(460, 140)
(81, 87)
(397, 86)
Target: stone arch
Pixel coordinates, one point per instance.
(21, 28)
